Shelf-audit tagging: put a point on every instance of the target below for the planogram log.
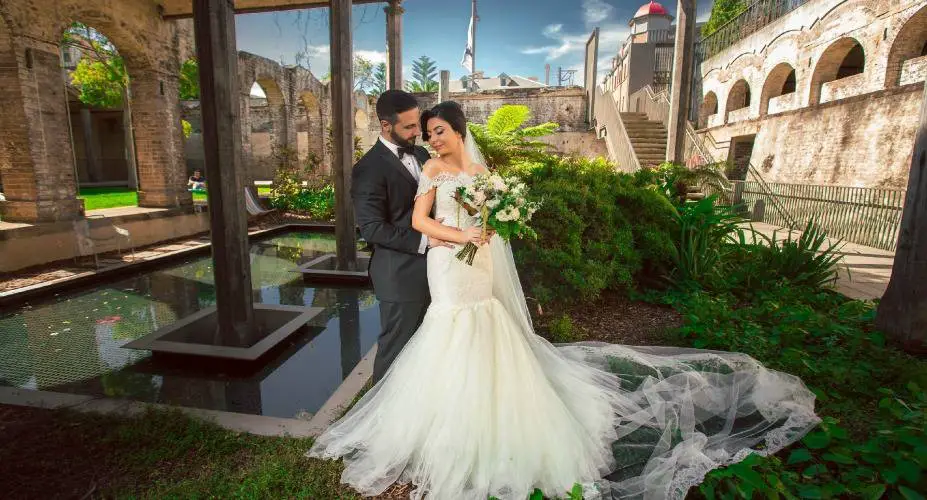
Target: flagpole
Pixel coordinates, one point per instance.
(473, 36)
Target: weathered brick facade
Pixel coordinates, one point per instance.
(833, 89)
(37, 160)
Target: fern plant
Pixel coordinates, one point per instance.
(504, 140)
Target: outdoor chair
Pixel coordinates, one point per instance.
(95, 233)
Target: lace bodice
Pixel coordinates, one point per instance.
(446, 207)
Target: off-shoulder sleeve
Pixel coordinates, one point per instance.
(426, 184)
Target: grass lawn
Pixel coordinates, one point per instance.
(155, 455)
(96, 198)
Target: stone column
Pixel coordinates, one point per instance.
(394, 44)
(94, 172)
(36, 157)
(162, 172)
(682, 80)
(444, 86)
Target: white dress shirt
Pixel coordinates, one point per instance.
(414, 168)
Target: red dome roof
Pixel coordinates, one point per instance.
(651, 9)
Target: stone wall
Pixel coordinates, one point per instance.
(36, 162)
(564, 106)
(863, 141)
(834, 121)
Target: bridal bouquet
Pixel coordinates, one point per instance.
(503, 206)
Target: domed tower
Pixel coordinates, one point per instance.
(650, 17)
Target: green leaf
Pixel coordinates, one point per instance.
(809, 491)
(873, 492)
(507, 119)
(814, 470)
(537, 495)
(838, 458)
(817, 440)
(798, 456)
(909, 494)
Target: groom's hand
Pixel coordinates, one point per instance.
(435, 242)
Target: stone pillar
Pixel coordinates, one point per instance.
(682, 81)
(245, 117)
(94, 173)
(444, 86)
(36, 155)
(162, 172)
(394, 44)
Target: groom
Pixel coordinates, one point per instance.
(383, 187)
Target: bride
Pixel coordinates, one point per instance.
(478, 405)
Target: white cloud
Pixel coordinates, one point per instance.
(575, 43)
(595, 11)
(374, 56)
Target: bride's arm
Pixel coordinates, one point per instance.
(425, 224)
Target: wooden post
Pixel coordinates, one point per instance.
(682, 81)
(214, 26)
(444, 89)
(902, 312)
(342, 85)
(393, 44)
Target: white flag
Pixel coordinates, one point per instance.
(467, 61)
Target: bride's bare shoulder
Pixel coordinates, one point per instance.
(435, 167)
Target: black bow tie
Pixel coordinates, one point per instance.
(406, 150)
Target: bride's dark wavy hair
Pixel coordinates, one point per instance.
(449, 111)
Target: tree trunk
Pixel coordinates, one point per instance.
(902, 312)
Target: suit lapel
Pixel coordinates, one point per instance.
(394, 161)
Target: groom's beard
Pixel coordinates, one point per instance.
(399, 141)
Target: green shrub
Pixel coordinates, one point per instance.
(706, 235)
(676, 181)
(597, 230)
(505, 141)
(562, 330)
(866, 447)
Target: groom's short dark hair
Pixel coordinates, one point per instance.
(393, 102)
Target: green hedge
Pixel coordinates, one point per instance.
(596, 229)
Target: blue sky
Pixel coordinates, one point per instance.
(513, 36)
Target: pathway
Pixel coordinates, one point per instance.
(864, 272)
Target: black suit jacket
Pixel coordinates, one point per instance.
(383, 191)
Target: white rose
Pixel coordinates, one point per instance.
(479, 198)
(492, 203)
(498, 183)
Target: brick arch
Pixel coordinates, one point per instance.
(708, 108)
(137, 57)
(837, 61)
(909, 43)
(275, 96)
(739, 97)
(780, 81)
(314, 125)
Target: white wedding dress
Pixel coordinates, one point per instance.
(478, 405)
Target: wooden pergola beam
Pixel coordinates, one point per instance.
(180, 9)
(342, 92)
(214, 28)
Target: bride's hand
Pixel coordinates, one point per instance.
(471, 235)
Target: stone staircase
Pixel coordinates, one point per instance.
(648, 138)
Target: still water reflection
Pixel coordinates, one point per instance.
(74, 343)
